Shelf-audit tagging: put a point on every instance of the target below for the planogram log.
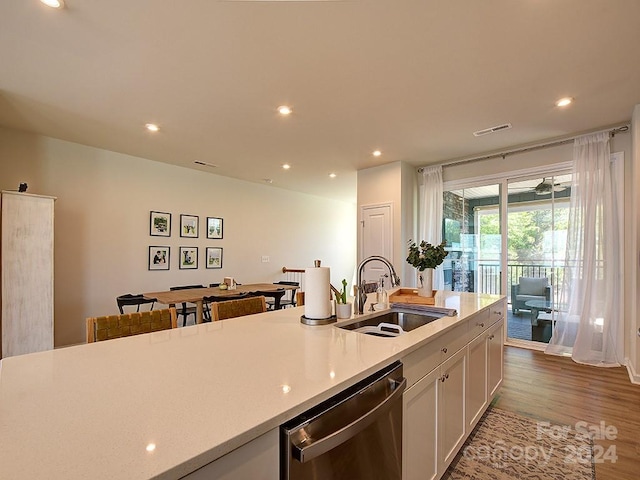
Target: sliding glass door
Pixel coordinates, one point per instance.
(537, 220)
(526, 263)
(471, 230)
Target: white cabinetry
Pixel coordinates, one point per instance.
(420, 435)
(26, 280)
(495, 352)
(256, 460)
(451, 409)
(452, 381)
(477, 380)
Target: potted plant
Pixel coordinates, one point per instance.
(425, 257)
(343, 309)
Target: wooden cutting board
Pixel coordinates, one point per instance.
(409, 295)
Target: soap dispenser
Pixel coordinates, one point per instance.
(382, 297)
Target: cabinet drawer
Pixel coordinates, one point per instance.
(420, 362)
(451, 342)
(479, 323)
(498, 310)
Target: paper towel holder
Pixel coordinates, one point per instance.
(318, 321)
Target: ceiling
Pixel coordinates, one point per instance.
(413, 78)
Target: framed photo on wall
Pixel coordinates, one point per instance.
(214, 227)
(189, 226)
(188, 257)
(214, 257)
(159, 257)
(160, 224)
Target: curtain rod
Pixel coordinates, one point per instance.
(612, 132)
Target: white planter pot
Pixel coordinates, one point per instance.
(343, 310)
(425, 282)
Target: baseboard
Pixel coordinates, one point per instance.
(633, 375)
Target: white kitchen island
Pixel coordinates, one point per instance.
(164, 404)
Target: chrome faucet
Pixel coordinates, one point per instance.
(361, 296)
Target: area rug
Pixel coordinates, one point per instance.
(506, 446)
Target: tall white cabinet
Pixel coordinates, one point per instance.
(26, 273)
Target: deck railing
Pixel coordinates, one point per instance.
(486, 277)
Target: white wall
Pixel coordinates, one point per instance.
(393, 183)
(102, 224)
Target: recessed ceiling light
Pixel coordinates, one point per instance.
(53, 3)
(377, 153)
(286, 166)
(563, 102)
(151, 447)
(332, 175)
(284, 110)
(152, 127)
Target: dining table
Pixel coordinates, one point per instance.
(197, 295)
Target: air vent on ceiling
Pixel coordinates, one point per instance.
(487, 131)
(204, 164)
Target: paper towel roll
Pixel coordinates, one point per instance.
(317, 293)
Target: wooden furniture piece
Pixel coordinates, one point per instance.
(237, 308)
(26, 279)
(129, 299)
(186, 310)
(275, 295)
(125, 325)
(290, 301)
(207, 301)
(196, 295)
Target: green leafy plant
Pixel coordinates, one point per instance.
(341, 297)
(425, 255)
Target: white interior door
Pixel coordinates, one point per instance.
(377, 238)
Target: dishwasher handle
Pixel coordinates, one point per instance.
(323, 445)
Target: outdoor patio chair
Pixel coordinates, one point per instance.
(529, 288)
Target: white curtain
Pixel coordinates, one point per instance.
(430, 220)
(589, 325)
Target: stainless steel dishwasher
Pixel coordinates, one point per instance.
(354, 435)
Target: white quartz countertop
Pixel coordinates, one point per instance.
(196, 393)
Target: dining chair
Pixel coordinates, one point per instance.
(129, 299)
(291, 299)
(187, 308)
(207, 301)
(275, 295)
(127, 324)
(238, 308)
(300, 299)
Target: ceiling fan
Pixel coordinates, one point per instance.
(547, 186)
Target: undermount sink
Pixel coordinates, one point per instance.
(391, 323)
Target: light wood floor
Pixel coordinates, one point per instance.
(557, 389)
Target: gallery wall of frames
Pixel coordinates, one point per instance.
(188, 255)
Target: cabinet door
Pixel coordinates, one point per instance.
(476, 380)
(26, 270)
(495, 356)
(451, 408)
(419, 431)
(257, 460)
